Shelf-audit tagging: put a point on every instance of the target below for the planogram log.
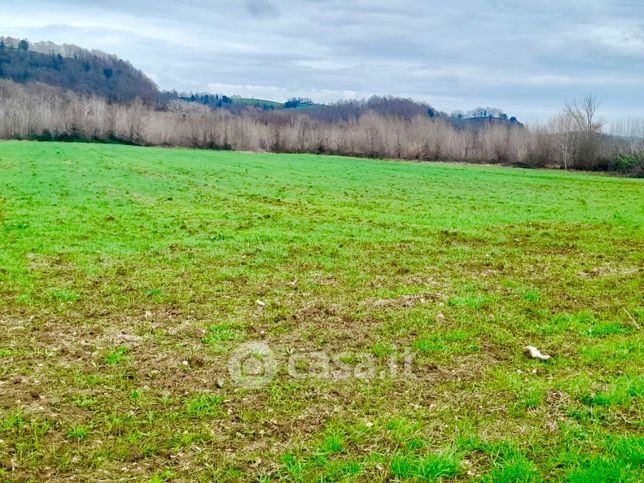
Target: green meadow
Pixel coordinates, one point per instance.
(129, 278)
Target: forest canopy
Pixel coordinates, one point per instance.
(73, 68)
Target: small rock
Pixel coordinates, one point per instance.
(534, 353)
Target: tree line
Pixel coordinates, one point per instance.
(574, 139)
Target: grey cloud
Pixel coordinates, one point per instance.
(262, 9)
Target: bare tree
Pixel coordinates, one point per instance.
(583, 113)
(562, 127)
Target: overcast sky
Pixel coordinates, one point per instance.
(526, 57)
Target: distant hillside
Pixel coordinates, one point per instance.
(476, 123)
(71, 67)
(351, 109)
(234, 103)
(97, 73)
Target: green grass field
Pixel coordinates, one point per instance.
(130, 276)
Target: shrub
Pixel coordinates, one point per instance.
(632, 165)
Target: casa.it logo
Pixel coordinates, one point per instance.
(252, 365)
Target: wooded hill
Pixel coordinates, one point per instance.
(75, 69)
